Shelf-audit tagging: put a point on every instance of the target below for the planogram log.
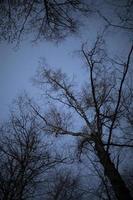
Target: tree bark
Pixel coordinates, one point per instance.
(120, 189)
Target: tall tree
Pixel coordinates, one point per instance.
(99, 104)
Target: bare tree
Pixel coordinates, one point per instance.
(121, 14)
(25, 159)
(62, 184)
(55, 19)
(99, 105)
(48, 19)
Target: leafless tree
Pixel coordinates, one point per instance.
(55, 19)
(99, 105)
(63, 184)
(121, 14)
(25, 159)
(48, 19)
(102, 188)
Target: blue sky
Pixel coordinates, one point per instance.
(18, 67)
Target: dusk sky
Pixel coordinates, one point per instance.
(18, 67)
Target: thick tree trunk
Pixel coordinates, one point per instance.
(118, 185)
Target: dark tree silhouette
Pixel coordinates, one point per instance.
(121, 14)
(56, 19)
(25, 159)
(100, 104)
(48, 19)
(63, 184)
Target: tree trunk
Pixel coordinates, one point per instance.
(118, 185)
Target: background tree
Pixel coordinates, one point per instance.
(120, 16)
(56, 19)
(64, 184)
(48, 19)
(25, 158)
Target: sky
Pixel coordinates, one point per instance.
(18, 66)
